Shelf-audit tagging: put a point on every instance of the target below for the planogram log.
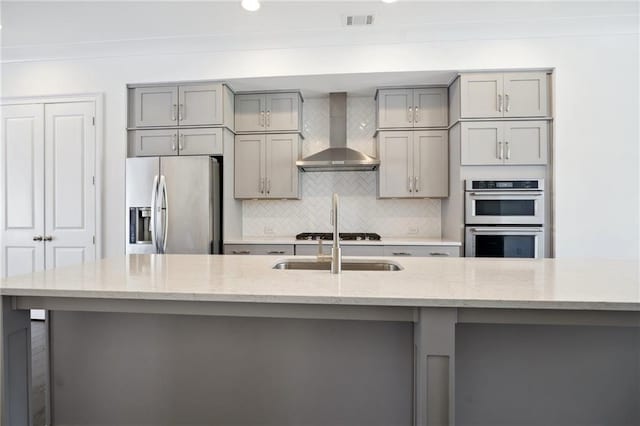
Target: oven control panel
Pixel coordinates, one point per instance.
(534, 184)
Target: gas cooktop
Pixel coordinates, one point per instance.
(346, 236)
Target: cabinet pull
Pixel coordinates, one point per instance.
(401, 253)
(173, 112)
(499, 103)
(410, 183)
(180, 142)
(416, 114)
(180, 112)
(506, 103)
(499, 150)
(438, 253)
(268, 186)
(261, 118)
(173, 142)
(37, 238)
(241, 252)
(268, 118)
(261, 186)
(410, 115)
(415, 184)
(506, 144)
(276, 252)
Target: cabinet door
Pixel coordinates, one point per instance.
(482, 143)
(395, 108)
(204, 141)
(282, 112)
(282, 174)
(154, 142)
(249, 166)
(395, 173)
(22, 212)
(358, 250)
(200, 105)
(431, 163)
(156, 106)
(525, 94)
(422, 251)
(481, 95)
(526, 142)
(430, 107)
(250, 113)
(70, 198)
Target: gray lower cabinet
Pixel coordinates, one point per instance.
(422, 251)
(259, 249)
(347, 250)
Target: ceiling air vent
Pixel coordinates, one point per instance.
(358, 20)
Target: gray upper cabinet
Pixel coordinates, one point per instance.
(200, 141)
(268, 112)
(156, 106)
(265, 166)
(413, 164)
(144, 143)
(496, 95)
(197, 104)
(410, 108)
(504, 142)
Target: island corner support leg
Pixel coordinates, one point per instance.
(434, 393)
(15, 364)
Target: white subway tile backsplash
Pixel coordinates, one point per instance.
(360, 210)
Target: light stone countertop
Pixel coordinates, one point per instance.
(388, 241)
(456, 282)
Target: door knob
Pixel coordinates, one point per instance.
(48, 238)
(37, 238)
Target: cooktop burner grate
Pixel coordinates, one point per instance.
(345, 236)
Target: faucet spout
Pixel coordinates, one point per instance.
(336, 251)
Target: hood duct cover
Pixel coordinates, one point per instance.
(338, 158)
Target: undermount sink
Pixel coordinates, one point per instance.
(347, 265)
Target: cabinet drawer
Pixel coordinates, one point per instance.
(347, 250)
(144, 143)
(259, 249)
(201, 141)
(422, 251)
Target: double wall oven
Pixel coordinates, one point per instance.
(504, 218)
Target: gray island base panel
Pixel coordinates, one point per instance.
(227, 340)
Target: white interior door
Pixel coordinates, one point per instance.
(22, 212)
(70, 214)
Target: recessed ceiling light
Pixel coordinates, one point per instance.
(251, 5)
(389, 1)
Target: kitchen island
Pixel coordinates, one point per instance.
(167, 339)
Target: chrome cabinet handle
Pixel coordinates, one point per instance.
(268, 186)
(261, 118)
(268, 118)
(173, 142)
(276, 252)
(506, 102)
(181, 141)
(180, 112)
(173, 112)
(506, 144)
(410, 115)
(415, 184)
(410, 183)
(37, 238)
(500, 103)
(438, 253)
(499, 150)
(416, 114)
(241, 252)
(261, 186)
(47, 238)
(401, 253)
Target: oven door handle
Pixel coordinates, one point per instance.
(506, 229)
(506, 194)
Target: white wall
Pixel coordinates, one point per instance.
(596, 97)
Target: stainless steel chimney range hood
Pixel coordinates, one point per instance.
(338, 158)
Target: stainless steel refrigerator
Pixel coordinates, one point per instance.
(173, 205)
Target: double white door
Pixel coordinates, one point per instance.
(48, 186)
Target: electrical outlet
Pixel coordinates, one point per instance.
(412, 230)
(268, 230)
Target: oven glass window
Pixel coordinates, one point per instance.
(505, 207)
(506, 246)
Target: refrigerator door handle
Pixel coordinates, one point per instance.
(165, 203)
(154, 200)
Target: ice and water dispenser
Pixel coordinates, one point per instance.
(140, 225)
